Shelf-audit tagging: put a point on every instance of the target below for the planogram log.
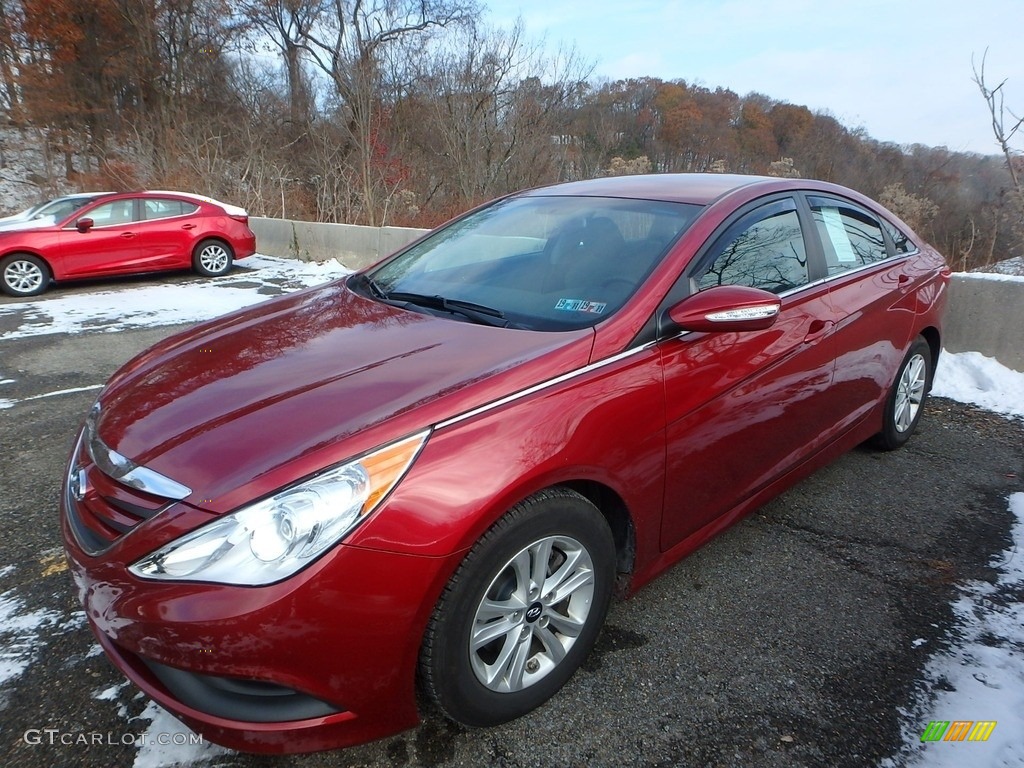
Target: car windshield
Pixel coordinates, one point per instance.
(538, 262)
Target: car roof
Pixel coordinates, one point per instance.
(698, 188)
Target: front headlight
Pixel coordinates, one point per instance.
(272, 539)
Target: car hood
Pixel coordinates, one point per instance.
(243, 405)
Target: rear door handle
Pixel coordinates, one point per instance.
(818, 329)
(188, 226)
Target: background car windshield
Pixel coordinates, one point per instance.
(546, 263)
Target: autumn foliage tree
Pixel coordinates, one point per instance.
(410, 111)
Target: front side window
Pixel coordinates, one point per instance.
(537, 262)
(850, 236)
(112, 213)
(765, 249)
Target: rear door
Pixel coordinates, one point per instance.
(871, 289)
(166, 232)
(743, 407)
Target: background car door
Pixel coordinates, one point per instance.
(166, 232)
(743, 407)
(110, 245)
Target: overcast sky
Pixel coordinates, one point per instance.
(901, 69)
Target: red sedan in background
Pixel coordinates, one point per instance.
(437, 470)
(125, 233)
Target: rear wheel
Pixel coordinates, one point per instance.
(22, 274)
(212, 258)
(522, 612)
(906, 398)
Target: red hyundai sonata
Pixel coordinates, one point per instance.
(119, 234)
(427, 479)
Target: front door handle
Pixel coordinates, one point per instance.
(127, 235)
(818, 329)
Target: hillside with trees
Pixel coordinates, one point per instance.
(406, 112)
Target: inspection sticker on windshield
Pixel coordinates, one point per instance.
(579, 305)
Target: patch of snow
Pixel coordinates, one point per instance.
(19, 635)
(109, 694)
(982, 677)
(1005, 277)
(8, 403)
(971, 377)
(94, 650)
(110, 311)
(7, 570)
(167, 742)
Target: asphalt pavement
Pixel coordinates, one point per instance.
(793, 639)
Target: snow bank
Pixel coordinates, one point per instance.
(971, 377)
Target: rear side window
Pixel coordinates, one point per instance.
(850, 236)
(163, 209)
(764, 249)
(902, 243)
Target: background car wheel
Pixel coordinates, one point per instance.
(522, 611)
(212, 258)
(22, 274)
(906, 398)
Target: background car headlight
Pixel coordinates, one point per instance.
(273, 538)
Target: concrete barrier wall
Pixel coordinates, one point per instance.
(985, 315)
(354, 246)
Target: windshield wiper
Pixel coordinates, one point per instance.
(478, 313)
(377, 291)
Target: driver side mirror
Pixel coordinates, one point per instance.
(84, 225)
(726, 308)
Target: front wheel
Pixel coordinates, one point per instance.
(906, 398)
(522, 612)
(22, 274)
(212, 258)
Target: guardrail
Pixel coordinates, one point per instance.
(354, 246)
(986, 313)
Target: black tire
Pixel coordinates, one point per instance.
(905, 403)
(22, 274)
(212, 258)
(453, 672)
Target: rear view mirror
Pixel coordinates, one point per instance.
(84, 225)
(726, 308)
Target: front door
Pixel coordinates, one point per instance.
(743, 407)
(109, 246)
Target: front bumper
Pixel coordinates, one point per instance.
(322, 660)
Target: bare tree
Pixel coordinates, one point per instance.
(1005, 124)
